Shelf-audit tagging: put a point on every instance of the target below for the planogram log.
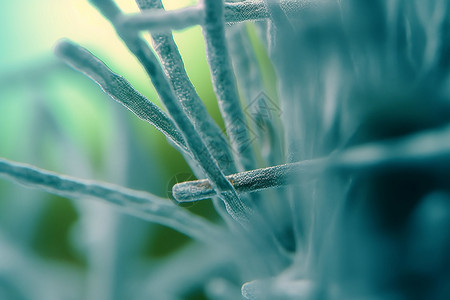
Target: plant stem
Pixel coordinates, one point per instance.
(138, 203)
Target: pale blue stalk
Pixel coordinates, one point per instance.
(160, 19)
(138, 203)
(236, 12)
(193, 106)
(250, 181)
(425, 148)
(200, 152)
(224, 84)
(120, 90)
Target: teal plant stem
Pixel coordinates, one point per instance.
(224, 84)
(200, 152)
(193, 106)
(236, 12)
(120, 90)
(257, 10)
(245, 11)
(160, 19)
(429, 149)
(138, 203)
(249, 181)
(173, 66)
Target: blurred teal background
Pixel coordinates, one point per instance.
(55, 118)
(28, 33)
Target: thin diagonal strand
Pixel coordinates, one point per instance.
(200, 152)
(141, 204)
(173, 65)
(429, 149)
(119, 89)
(224, 84)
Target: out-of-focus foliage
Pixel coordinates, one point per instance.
(335, 125)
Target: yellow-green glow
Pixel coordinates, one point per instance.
(81, 108)
(41, 23)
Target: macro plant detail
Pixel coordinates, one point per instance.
(337, 189)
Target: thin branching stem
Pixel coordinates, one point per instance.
(160, 19)
(224, 83)
(428, 149)
(173, 66)
(119, 89)
(157, 20)
(193, 106)
(235, 207)
(138, 203)
(248, 181)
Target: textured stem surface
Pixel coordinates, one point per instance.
(141, 204)
(193, 106)
(428, 149)
(224, 84)
(194, 15)
(119, 89)
(199, 150)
